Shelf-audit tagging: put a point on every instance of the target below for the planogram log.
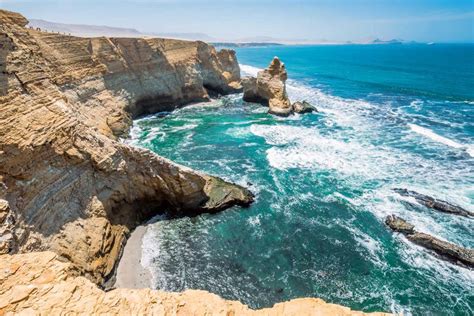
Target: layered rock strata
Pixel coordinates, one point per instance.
(446, 250)
(269, 89)
(38, 283)
(67, 183)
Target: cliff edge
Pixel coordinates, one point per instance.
(71, 192)
(67, 182)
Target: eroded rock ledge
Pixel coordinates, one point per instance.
(67, 183)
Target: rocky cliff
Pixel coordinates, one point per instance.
(69, 187)
(67, 183)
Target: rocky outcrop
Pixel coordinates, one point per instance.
(269, 89)
(70, 186)
(303, 107)
(38, 283)
(435, 204)
(446, 250)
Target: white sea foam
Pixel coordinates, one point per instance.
(247, 70)
(305, 147)
(441, 139)
(347, 149)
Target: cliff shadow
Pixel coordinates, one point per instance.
(6, 47)
(143, 72)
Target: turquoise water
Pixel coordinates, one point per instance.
(390, 116)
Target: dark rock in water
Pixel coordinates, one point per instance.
(399, 225)
(303, 107)
(451, 252)
(435, 204)
(448, 250)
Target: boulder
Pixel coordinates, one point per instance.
(303, 107)
(446, 250)
(269, 89)
(435, 204)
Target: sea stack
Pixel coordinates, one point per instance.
(269, 89)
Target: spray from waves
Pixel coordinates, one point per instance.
(441, 139)
(247, 70)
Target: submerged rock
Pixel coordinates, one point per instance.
(269, 89)
(435, 204)
(303, 107)
(446, 250)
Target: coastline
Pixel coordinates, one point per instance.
(130, 272)
(115, 205)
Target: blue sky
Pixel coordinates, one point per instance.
(421, 20)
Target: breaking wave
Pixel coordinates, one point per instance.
(441, 139)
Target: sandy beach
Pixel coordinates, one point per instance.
(130, 272)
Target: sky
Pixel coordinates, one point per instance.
(333, 20)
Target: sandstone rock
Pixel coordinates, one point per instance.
(436, 204)
(269, 89)
(13, 18)
(7, 228)
(249, 85)
(4, 210)
(399, 225)
(38, 283)
(303, 107)
(72, 187)
(446, 250)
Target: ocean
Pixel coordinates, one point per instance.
(390, 116)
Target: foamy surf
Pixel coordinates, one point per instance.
(441, 139)
(326, 179)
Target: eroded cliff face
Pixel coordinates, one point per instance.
(68, 184)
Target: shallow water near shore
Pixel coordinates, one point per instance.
(390, 116)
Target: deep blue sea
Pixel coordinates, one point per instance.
(390, 116)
